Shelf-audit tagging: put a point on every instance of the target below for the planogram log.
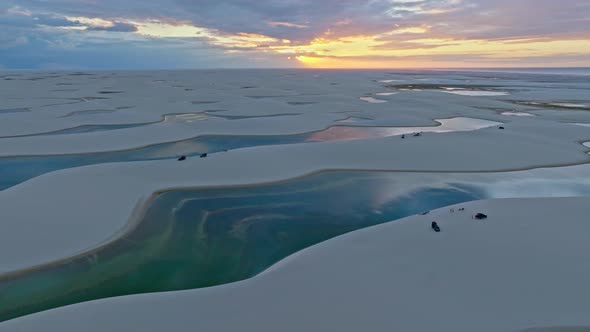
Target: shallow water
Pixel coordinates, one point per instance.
(342, 133)
(199, 238)
(204, 237)
(14, 170)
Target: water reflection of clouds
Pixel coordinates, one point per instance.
(538, 188)
(343, 133)
(392, 186)
(547, 182)
(544, 182)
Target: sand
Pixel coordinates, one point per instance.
(524, 268)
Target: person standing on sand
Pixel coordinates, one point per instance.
(435, 227)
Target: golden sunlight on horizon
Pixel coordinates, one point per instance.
(403, 46)
(357, 52)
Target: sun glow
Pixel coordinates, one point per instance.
(401, 46)
(369, 52)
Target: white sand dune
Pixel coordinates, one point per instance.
(525, 266)
(83, 222)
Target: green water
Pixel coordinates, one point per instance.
(200, 238)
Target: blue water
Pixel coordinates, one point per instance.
(199, 238)
(14, 170)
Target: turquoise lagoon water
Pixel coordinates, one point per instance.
(199, 238)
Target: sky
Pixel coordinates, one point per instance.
(171, 34)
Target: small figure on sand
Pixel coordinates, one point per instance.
(181, 158)
(480, 216)
(403, 136)
(417, 134)
(204, 155)
(435, 226)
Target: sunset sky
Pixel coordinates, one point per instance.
(152, 34)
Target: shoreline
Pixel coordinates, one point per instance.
(127, 213)
(143, 205)
(325, 260)
(253, 136)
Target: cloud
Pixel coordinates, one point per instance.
(242, 30)
(287, 24)
(116, 27)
